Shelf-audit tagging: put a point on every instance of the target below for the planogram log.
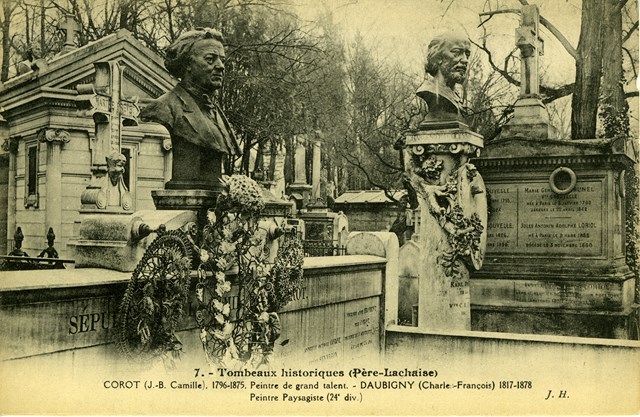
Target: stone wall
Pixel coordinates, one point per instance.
(148, 173)
(598, 376)
(61, 314)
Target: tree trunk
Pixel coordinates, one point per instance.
(584, 104)
(615, 118)
(7, 12)
(43, 33)
(258, 164)
(246, 153)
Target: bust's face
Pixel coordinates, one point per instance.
(206, 66)
(455, 57)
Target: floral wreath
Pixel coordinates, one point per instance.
(242, 335)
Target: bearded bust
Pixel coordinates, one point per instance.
(447, 60)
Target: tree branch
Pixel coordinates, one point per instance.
(621, 4)
(630, 32)
(544, 22)
(549, 93)
(633, 65)
(560, 37)
(504, 74)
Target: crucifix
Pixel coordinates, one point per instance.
(531, 46)
(71, 28)
(103, 100)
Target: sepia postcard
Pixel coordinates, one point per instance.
(345, 207)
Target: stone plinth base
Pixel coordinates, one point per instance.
(530, 120)
(555, 261)
(581, 323)
(451, 136)
(184, 199)
(602, 295)
(112, 242)
(300, 193)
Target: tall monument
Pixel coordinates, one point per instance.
(530, 117)
(556, 251)
(449, 190)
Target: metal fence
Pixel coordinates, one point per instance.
(323, 248)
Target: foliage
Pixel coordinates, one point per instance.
(615, 122)
(246, 336)
(464, 238)
(632, 222)
(285, 278)
(234, 336)
(155, 300)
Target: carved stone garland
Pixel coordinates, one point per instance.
(452, 229)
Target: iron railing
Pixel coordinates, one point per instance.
(323, 248)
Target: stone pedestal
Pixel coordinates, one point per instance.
(200, 201)
(194, 168)
(300, 193)
(383, 244)
(184, 199)
(452, 202)
(555, 259)
(530, 120)
(113, 242)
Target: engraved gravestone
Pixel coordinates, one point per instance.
(555, 261)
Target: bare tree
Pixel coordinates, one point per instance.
(598, 82)
(9, 8)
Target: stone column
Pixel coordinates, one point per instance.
(299, 163)
(315, 173)
(54, 138)
(11, 145)
(453, 219)
(168, 159)
(530, 116)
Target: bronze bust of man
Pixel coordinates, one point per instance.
(200, 133)
(447, 60)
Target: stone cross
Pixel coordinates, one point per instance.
(71, 28)
(109, 109)
(531, 46)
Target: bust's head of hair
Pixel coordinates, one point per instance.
(448, 54)
(178, 53)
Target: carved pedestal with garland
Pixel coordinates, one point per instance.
(234, 242)
(452, 202)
